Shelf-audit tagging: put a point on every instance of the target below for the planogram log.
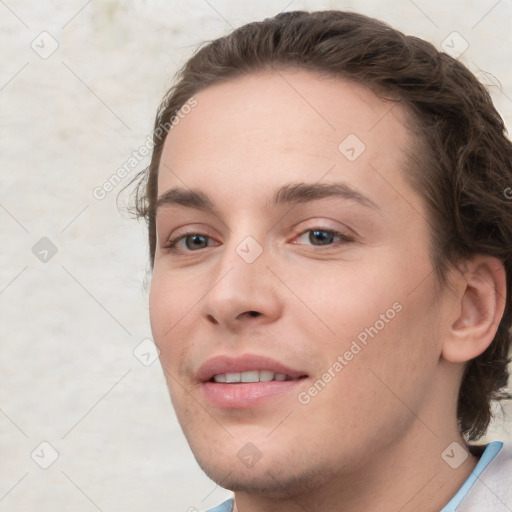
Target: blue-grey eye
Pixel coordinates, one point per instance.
(196, 242)
(321, 237)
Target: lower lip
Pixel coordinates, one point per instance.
(241, 396)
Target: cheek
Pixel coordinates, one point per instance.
(368, 388)
(169, 311)
(374, 316)
(171, 303)
(161, 306)
(389, 362)
(343, 298)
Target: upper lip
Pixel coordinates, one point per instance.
(248, 362)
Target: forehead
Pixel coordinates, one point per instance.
(279, 126)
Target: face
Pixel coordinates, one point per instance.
(292, 297)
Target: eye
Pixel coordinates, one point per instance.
(190, 242)
(321, 237)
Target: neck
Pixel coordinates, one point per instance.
(410, 476)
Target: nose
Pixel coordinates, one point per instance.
(242, 292)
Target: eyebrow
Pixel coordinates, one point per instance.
(292, 193)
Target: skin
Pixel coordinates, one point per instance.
(372, 438)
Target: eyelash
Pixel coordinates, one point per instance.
(173, 242)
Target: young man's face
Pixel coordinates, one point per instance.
(331, 287)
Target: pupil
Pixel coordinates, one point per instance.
(196, 241)
(320, 236)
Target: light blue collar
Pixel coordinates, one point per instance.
(490, 452)
(226, 506)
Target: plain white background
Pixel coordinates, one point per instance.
(73, 306)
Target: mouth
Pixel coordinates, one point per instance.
(250, 376)
(246, 381)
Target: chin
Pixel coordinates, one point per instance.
(277, 477)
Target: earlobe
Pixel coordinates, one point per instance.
(481, 289)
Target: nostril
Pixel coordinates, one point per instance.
(211, 319)
(253, 313)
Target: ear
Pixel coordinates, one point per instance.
(480, 303)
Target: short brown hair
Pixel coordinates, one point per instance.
(465, 163)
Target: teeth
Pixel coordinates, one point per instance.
(252, 376)
(266, 376)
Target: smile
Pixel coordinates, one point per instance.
(246, 381)
(250, 376)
